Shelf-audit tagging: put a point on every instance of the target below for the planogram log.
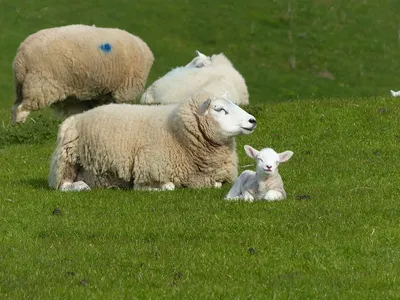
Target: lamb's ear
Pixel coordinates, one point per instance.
(204, 106)
(251, 152)
(285, 156)
(198, 53)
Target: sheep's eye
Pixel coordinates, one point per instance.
(260, 159)
(218, 109)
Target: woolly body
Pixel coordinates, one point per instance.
(216, 77)
(140, 146)
(78, 63)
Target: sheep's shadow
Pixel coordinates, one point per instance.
(37, 183)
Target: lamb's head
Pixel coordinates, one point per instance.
(267, 159)
(225, 118)
(199, 61)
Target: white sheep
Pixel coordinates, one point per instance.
(394, 93)
(217, 75)
(265, 183)
(73, 68)
(190, 144)
(201, 60)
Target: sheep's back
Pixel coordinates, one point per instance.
(85, 55)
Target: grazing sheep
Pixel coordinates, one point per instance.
(265, 183)
(190, 144)
(217, 75)
(76, 67)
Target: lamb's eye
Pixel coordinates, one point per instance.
(260, 159)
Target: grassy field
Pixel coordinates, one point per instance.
(319, 74)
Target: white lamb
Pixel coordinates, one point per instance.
(76, 67)
(190, 144)
(217, 76)
(265, 183)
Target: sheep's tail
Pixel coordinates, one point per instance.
(63, 166)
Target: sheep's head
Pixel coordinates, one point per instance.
(199, 61)
(225, 118)
(267, 160)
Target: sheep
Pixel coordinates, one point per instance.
(394, 93)
(201, 60)
(150, 147)
(217, 75)
(263, 184)
(76, 67)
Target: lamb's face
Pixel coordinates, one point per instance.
(199, 61)
(232, 119)
(267, 159)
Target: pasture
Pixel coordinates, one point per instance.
(319, 74)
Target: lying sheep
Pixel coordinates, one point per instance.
(265, 183)
(201, 60)
(85, 65)
(217, 75)
(190, 144)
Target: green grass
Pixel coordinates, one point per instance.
(341, 243)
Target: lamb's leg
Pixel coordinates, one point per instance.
(34, 94)
(236, 191)
(272, 195)
(64, 167)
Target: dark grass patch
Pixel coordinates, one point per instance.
(35, 130)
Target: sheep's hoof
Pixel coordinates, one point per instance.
(168, 186)
(218, 185)
(77, 186)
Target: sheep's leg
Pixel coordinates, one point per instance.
(35, 93)
(218, 185)
(76, 186)
(127, 92)
(165, 187)
(64, 167)
(272, 195)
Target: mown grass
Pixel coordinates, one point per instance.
(318, 72)
(341, 241)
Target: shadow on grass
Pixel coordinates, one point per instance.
(37, 183)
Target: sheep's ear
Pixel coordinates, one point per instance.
(199, 54)
(251, 152)
(285, 156)
(204, 106)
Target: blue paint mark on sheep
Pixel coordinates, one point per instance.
(106, 47)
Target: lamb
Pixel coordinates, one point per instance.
(76, 67)
(153, 147)
(216, 76)
(263, 184)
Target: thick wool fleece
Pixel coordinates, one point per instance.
(79, 62)
(133, 145)
(217, 78)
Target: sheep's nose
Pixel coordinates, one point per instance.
(252, 121)
(269, 167)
